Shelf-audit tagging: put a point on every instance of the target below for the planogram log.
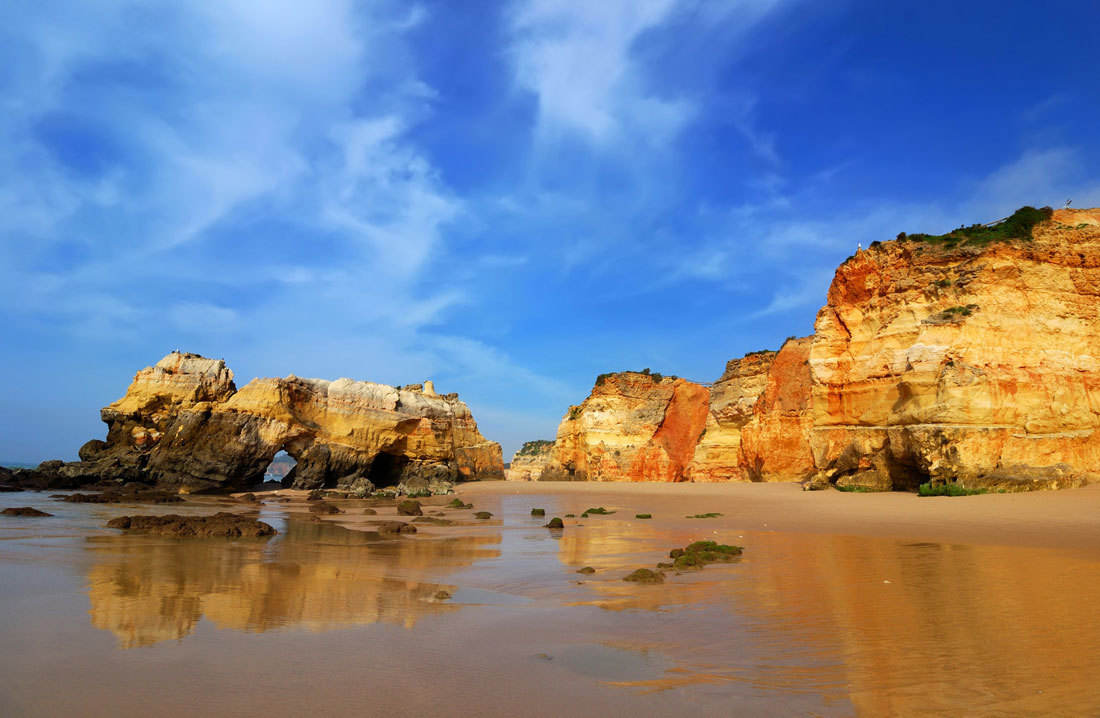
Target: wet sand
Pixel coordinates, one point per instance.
(1056, 519)
(843, 604)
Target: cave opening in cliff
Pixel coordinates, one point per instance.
(279, 467)
(386, 469)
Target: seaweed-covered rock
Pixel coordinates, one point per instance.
(555, 523)
(457, 504)
(700, 553)
(644, 575)
(395, 527)
(410, 508)
(538, 512)
(323, 508)
(483, 515)
(23, 511)
(248, 498)
(370, 512)
(433, 520)
(220, 524)
(586, 569)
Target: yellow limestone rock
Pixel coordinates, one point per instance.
(183, 424)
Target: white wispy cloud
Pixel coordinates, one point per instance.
(577, 59)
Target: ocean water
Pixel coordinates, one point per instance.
(324, 619)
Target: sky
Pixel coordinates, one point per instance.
(507, 198)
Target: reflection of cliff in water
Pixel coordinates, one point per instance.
(895, 627)
(317, 576)
(928, 627)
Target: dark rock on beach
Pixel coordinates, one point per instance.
(24, 511)
(395, 527)
(410, 508)
(433, 520)
(125, 496)
(220, 524)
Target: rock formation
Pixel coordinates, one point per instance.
(529, 462)
(184, 425)
(955, 362)
(942, 359)
(635, 426)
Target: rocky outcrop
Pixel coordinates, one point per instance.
(955, 362)
(184, 425)
(635, 426)
(758, 419)
(775, 443)
(964, 359)
(717, 456)
(530, 461)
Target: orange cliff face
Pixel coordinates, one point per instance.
(969, 363)
(633, 427)
(775, 443)
(975, 364)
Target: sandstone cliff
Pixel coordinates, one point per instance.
(183, 424)
(530, 461)
(955, 359)
(962, 362)
(635, 426)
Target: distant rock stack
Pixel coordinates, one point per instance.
(529, 462)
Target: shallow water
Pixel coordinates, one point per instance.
(321, 618)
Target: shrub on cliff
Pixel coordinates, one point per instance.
(1018, 226)
(655, 377)
(531, 448)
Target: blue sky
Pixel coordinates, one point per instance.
(506, 197)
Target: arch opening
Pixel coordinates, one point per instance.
(279, 467)
(387, 469)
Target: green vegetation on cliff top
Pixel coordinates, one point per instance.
(652, 375)
(531, 448)
(1017, 226)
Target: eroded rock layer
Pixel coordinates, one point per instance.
(960, 363)
(183, 424)
(634, 426)
(975, 363)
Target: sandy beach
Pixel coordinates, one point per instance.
(1053, 519)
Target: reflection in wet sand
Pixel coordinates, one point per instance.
(925, 627)
(316, 576)
(897, 627)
